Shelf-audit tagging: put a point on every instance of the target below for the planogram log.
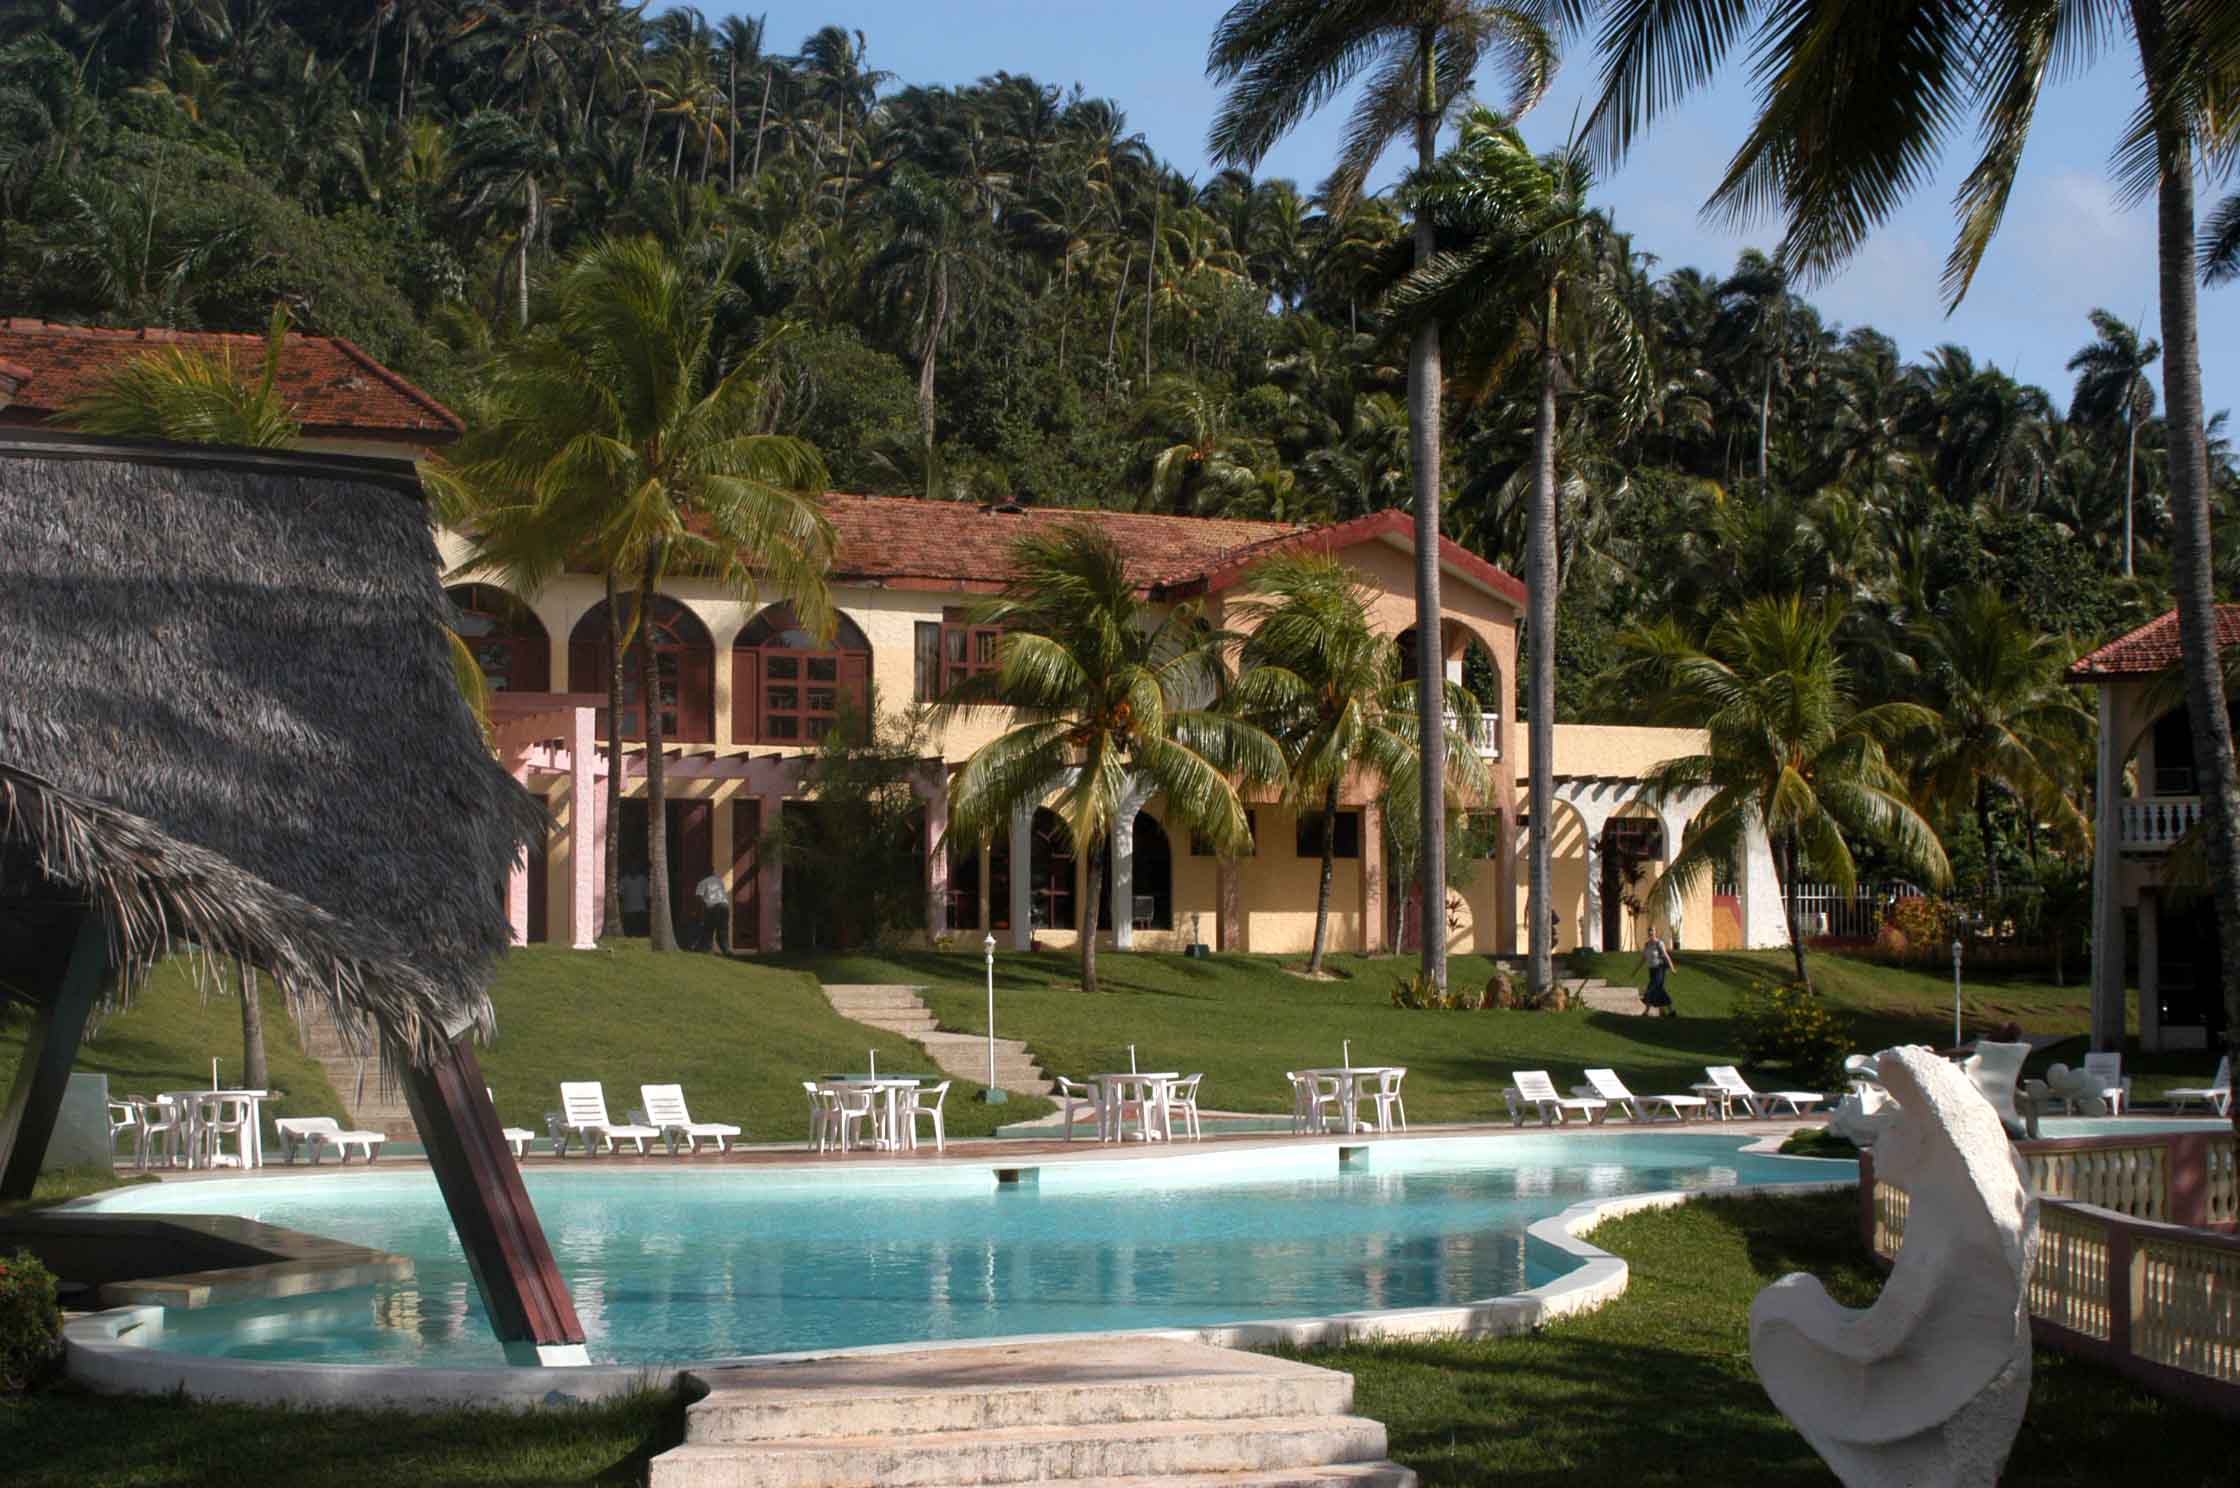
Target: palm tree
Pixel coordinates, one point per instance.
(502, 158)
(1106, 693)
(2111, 382)
(1790, 752)
(1328, 690)
(611, 433)
(1200, 452)
(1877, 131)
(929, 262)
(190, 396)
(1282, 60)
(1534, 270)
(2009, 719)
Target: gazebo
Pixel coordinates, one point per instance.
(229, 727)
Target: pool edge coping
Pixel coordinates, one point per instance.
(101, 1354)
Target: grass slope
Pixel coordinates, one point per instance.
(167, 1038)
(739, 1036)
(1657, 1388)
(1244, 1020)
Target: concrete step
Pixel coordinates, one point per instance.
(909, 1023)
(1160, 1450)
(962, 1056)
(1329, 1475)
(749, 1405)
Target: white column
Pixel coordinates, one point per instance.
(586, 804)
(934, 793)
(1674, 817)
(2107, 911)
(1123, 887)
(1022, 858)
(1590, 915)
(1763, 926)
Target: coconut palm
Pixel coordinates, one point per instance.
(1105, 693)
(1876, 114)
(610, 434)
(2112, 383)
(1328, 689)
(1534, 270)
(193, 397)
(1283, 59)
(926, 271)
(2009, 720)
(1790, 752)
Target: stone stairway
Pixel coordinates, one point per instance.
(1095, 1413)
(370, 1105)
(1597, 995)
(898, 1009)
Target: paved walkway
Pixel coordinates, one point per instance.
(897, 1008)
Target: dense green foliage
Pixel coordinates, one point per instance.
(30, 1322)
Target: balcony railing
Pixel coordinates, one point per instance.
(1487, 732)
(2153, 824)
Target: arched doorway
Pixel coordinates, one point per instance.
(787, 688)
(1629, 845)
(685, 659)
(508, 640)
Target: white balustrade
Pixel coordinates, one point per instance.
(2155, 823)
(1487, 731)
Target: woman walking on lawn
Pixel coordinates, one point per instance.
(1659, 959)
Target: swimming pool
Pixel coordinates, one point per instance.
(683, 1263)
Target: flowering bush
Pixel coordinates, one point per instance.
(1925, 921)
(30, 1322)
(1790, 1025)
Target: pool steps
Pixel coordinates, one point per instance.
(1107, 1412)
(964, 1056)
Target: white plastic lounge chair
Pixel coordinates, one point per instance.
(1727, 1086)
(665, 1109)
(2218, 1092)
(1532, 1089)
(318, 1132)
(1386, 1096)
(1605, 1084)
(517, 1137)
(1182, 1101)
(1074, 1094)
(583, 1117)
(927, 1103)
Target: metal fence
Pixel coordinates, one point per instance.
(1822, 910)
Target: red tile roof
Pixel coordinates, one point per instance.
(2152, 648)
(335, 390)
(902, 542)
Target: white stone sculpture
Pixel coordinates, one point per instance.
(2079, 1089)
(1926, 1388)
(1860, 1116)
(1995, 1069)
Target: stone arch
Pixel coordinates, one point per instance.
(509, 642)
(683, 655)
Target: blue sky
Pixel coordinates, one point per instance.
(2067, 246)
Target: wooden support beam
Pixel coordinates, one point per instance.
(58, 1025)
(522, 1290)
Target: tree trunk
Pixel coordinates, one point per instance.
(373, 57)
(1785, 867)
(2190, 557)
(253, 1071)
(934, 327)
(611, 888)
(404, 76)
(731, 140)
(1540, 584)
(1990, 839)
(1424, 387)
(1329, 870)
(2130, 476)
(762, 119)
(1087, 919)
(662, 928)
(645, 133)
(1112, 334)
(1151, 286)
(1765, 419)
(528, 236)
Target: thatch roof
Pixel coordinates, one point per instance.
(227, 714)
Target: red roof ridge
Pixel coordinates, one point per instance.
(397, 380)
(1230, 568)
(2151, 647)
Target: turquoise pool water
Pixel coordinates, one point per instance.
(679, 1264)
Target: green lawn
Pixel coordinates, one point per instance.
(1244, 1020)
(738, 1035)
(167, 1039)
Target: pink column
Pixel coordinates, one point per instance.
(517, 883)
(1372, 878)
(586, 842)
(770, 876)
(937, 862)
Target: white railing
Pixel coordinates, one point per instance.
(2155, 823)
(1487, 731)
(1858, 915)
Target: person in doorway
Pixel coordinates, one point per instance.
(633, 888)
(1658, 958)
(715, 914)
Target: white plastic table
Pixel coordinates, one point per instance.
(887, 1088)
(190, 1102)
(1349, 1079)
(1148, 1089)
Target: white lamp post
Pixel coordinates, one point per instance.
(993, 1095)
(1955, 991)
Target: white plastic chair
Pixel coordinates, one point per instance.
(124, 1116)
(927, 1103)
(2218, 1092)
(1182, 1100)
(2106, 1066)
(1308, 1101)
(1535, 1091)
(584, 1118)
(1605, 1085)
(158, 1118)
(665, 1108)
(223, 1116)
(1074, 1093)
(847, 1107)
(818, 1108)
(1387, 1098)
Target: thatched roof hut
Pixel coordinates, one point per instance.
(228, 717)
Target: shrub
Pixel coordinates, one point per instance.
(1791, 1025)
(1925, 921)
(30, 1322)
